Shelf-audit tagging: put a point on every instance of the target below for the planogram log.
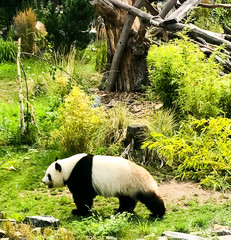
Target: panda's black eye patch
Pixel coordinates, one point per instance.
(49, 177)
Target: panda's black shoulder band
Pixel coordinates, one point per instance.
(81, 177)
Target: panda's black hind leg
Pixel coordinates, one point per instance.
(126, 204)
(153, 202)
(83, 206)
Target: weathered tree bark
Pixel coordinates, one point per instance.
(119, 51)
(19, 80)
(183, 10)
(167, 8)
(127, 78)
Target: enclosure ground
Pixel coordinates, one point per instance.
(176, 192)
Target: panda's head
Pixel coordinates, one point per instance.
(54, 175)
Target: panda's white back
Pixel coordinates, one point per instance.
(113, 176)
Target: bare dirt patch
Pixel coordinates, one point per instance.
(176, 192)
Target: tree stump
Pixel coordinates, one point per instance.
(135, 135)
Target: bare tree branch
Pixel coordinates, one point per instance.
(192, 30)
(183, 10)
(204, 5)
(167, 8)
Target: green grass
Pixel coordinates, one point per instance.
(22, 168)
(23, 194)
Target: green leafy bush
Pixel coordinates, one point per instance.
(98, 227)
(200, 151)
(8, 51)
(78, 121)
(184, 79)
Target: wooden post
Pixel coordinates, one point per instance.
(120, 49)
(19, 80)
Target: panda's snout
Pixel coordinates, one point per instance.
(44, 181)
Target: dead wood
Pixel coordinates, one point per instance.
(183, 10)
(192, 30)
(204, 5)
(19, 81)
(120, 49)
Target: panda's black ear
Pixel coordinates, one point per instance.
(58, 167)
(56, 158)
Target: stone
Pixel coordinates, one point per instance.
(162, 238)
(36, 230)
(222, 230)
(228, 237)
(97, 102)
(8, 220)
(2, 233)
(181, 236)
(111, 104)
(42, 221)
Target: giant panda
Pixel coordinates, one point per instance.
(87, 176)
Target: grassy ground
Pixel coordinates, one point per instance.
(23, 194)
(22, 168)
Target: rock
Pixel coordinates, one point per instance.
(222, 230)
(42, 221)
(228, 237)
(8, 220)
(36, 230)
(111, 104)
(181, 236)
(2, 233)
(111, 238)
(97, 102)
(162, 238)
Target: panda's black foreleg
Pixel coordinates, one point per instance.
(153, 202)
(83, 205)
(126, 204)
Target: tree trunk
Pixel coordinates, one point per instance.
(132, 71)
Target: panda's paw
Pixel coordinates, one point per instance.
(79, 213)
(75, 212)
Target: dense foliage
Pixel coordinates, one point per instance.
(67, 23)
(79, 122)
(200, 150)
(8, 51)
(185, 80)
